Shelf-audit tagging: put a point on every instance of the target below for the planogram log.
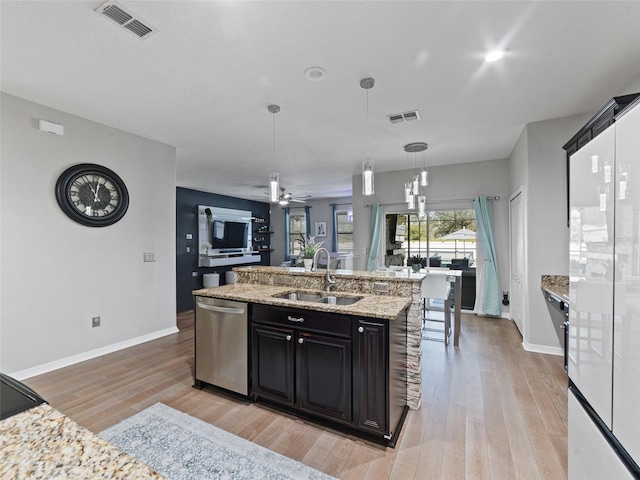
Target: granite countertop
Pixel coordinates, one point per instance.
(404, 275)
(557, 285)
(375, 306)
(43, 443)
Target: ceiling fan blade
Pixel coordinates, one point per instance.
(297, 200)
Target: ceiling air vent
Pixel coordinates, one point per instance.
(404, 117)
(117, 14)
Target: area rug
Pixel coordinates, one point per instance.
(180, 446)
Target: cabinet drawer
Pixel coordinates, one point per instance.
(331, 323)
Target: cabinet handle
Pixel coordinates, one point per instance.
(301, 340)
(294, 319)
(288, 337)
(361, 329)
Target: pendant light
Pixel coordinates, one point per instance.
(367, 165)
(411, 204)
(422, 206)
(274, 177)
(408, 186)
(421, 178)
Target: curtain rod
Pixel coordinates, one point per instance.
(470, 199)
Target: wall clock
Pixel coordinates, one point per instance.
(92, 195)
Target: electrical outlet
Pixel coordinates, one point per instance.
(188, 249)
(194, 274)
(149, 257)
(189, 236)
(381, 287)
(95, 322)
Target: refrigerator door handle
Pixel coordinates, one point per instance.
(215, 308)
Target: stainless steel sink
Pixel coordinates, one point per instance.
(304, 296)
(319, 297)
(335, 300)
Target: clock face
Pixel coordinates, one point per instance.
(92, 195)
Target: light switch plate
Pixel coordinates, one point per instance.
(149, 257)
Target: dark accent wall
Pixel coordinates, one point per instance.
(187, 202)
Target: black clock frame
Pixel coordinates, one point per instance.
(66, 204)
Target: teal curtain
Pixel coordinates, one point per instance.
(287, 250)
(490, 282)
(307, 218)
(376, 222)
(334, 237)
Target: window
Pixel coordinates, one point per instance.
(297, 230)
(344, 223)
(445, 237)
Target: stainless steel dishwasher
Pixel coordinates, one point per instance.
(221, 331)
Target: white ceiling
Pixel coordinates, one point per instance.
(203, 83)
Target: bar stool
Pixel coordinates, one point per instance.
(436, 287)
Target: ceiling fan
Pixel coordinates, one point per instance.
(284, 198)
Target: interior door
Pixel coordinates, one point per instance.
(516, 233)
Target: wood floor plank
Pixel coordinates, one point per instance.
(490, 409)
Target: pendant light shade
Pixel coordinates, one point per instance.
(422, 206)
(416, 185)
(274, 187)
(407, 191)
(274, 178)
(367, 165)
(411, 204)
(367, 178)
(424, 177)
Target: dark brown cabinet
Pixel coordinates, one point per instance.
(370, 376)
(273, 363)
(307, 365)
(324, 375)
(347, 370)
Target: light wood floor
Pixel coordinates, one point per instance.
(490, 409)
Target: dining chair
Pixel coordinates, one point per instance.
(436, 287)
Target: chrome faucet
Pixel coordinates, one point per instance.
(328, 280)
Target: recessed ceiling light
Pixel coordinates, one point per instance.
(494, 56)
(315, 74)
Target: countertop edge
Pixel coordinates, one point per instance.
(371, 306)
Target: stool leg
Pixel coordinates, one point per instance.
(447, 321)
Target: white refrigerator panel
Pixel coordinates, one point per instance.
(626, 374)
(590, 455)
(591, 271)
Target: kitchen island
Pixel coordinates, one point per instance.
(385, 295)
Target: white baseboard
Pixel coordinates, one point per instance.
(81, 357)
(532, 347)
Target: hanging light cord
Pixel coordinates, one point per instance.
(367, 124)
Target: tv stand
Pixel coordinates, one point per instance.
(223, 259)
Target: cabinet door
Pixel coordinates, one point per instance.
(324, 375)
(591, 271)
(626, 362)
(371, 374)
(273, 358)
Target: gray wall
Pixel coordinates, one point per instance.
(538, 164)
(321, 211)
(448, 184)
(55, 273)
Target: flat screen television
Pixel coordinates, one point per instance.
(228, 235)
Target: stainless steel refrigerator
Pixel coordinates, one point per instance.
(604, 292)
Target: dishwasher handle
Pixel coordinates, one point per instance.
(216, 308)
